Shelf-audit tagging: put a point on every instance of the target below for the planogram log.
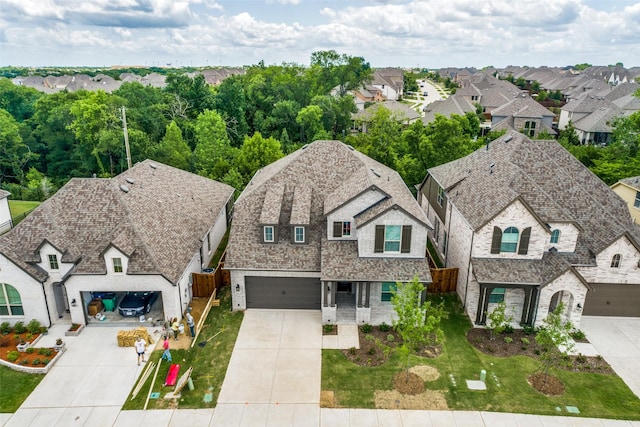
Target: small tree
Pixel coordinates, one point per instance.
(555, 339)
(418, 323)
(497, 320)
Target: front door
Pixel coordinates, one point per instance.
(344, 287)
(61, 298)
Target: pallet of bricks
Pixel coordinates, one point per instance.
(129, 338)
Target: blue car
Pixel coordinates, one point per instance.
(137, 303)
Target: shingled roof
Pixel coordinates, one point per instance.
(317, 179)
(155, 214)
(544, 176)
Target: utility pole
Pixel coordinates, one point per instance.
(126, 136)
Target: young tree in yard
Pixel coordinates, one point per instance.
(497, 320)
(555, 339)
(418, 322)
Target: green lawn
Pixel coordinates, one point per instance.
(209, 362)
(22, 385)
(19, 207)
(595, 395)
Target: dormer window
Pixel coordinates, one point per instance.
(393, 239)
(117, 265)
(298, 235)
(53, 262)
(615, 261)
(440, 196)
(268, 234)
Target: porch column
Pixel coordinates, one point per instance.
(533, 306)
(483, 304)
(359, 296)
(325, 293)
(526, 306)
(333, 293)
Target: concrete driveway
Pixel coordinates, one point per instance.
(617, 339)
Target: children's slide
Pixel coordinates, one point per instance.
(172, 375)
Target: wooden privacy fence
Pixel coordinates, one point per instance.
(444, 280)
(203, 284)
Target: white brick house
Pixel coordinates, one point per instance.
(5, 214)
(146, 230)
(526, 223)
(326, 228)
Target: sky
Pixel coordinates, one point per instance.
(397, 33)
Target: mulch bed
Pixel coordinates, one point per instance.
(8, 344)
(330, 330)
(546, 384)
(376, 346)
(481, 339)
(408, 383)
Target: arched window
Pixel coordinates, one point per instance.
(10, 302)
(615, 261)
(555, 236)
(509, 240)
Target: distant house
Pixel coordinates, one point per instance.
(390, 81)
(145, 230)
(326, 228)
(527, 224)
(5, 214)
(524, 115)
(399, 112)
(629, 190)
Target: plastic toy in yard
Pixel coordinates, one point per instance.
(172, 375)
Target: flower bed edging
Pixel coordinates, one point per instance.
(30, 370)
(74, 333)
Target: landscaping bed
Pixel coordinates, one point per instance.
(17, 345)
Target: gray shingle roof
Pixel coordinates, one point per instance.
(4, 194)
(633, 181)
(556, 186)
(331, 169)
(159, 222)
(522, 106)
(272, 204)
(301, 209)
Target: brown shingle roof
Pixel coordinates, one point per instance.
(159, 222)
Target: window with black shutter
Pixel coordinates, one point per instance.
(337, 229)
(405, 245)
(524, 241)
(496, 241)
(379, 241)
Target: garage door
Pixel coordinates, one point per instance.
(613, 300)
(282, 292)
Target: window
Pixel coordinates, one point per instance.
(341, 229)
(555, 236)
(444, 243)
(497, 295)
(529, 128)
(10, 302)
(53, 262)
(440, 196)
(615, 261)
(388, 289)
(346, 228)
(299, 234)
(509, 241)
(268, 233)
(392, 234)
(117, 265)
(474, 97)
(636, 203)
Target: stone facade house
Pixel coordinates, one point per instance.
(524, 115)
(526, 223)
(326, 228)
(145, 230)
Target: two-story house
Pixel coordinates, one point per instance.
(145, 230)
(629, 190)
(326, 228)
(526, 223)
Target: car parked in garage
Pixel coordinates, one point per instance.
(137, 303)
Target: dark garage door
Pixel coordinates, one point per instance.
(282, 292)
(613, 300)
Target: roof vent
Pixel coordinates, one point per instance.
(124, 188)
(491, 166)
(305, 146)
(350, 147)
(376, 173)
(130, 180)
(153, 166)
(509, 138)
(553, 249)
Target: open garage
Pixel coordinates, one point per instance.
(103, 307)
(283, 292)
(613, 300)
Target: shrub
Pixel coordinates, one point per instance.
(537, 352)
(371, 351)
(45, 351)
(5, 328)
(24, 361)
(45, 361)
(28, 336)
(525, 340)
(383, 327)
(327, 328)
(12, 356)
(30, 350)
(581, 358)
(34, 326)
(19, 328)
(391, 338)
(35, 361)
(366, 328)
(508, 340)
(508, 329)
(529, 330)
(352, 350)
(578, 335)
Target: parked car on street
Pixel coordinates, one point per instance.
(137, 303)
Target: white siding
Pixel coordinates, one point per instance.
(31, 293)
(367, 233)
(349, 210)
(5, 215)
(514, 215)
(63, 268)
(628, 272)
(108, 261)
